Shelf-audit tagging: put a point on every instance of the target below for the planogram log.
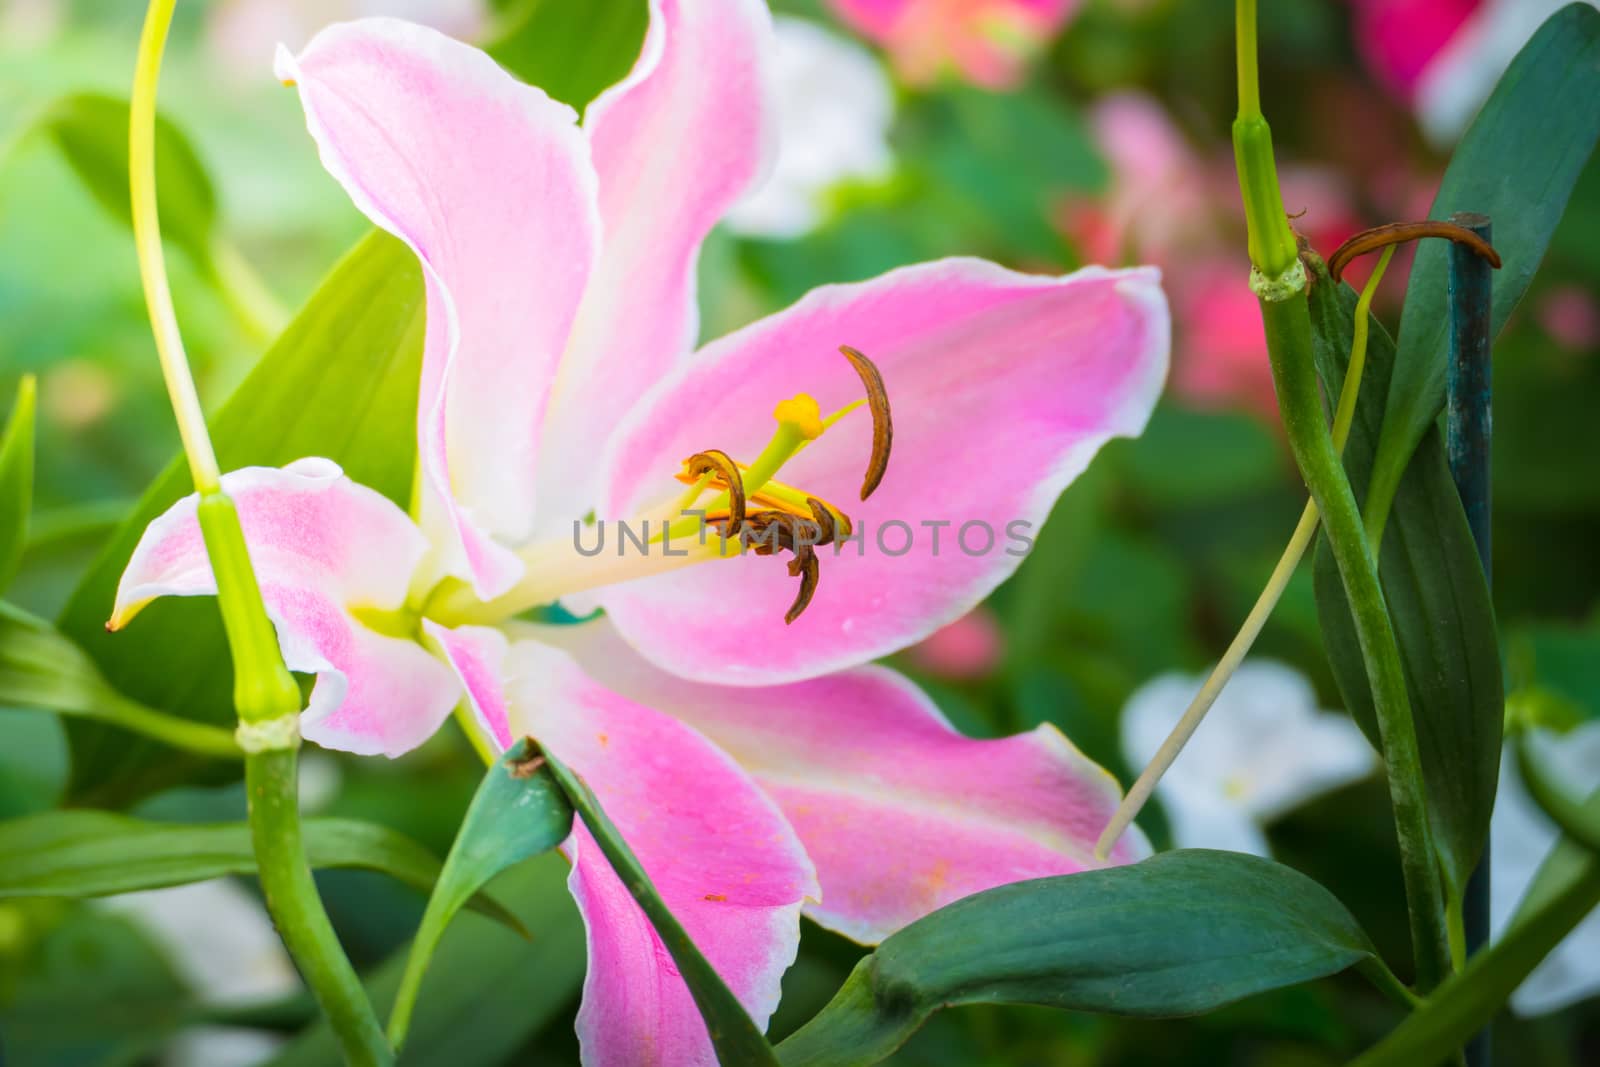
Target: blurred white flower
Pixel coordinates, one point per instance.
(219, 940)
(1263, 749)
(835, 104)
(1460, 78)
(320, 780)
(1520, 837)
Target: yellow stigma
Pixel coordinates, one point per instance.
(801, 414)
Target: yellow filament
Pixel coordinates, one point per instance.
(1299, 541)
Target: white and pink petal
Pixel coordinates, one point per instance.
(1002, 386)
(675, 144)
(900, 813)
(323, 548)
(717, 849)
(489, 182)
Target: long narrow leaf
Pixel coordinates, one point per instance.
(1179, 934)
(16, 481)
(41, 668)
(99, 853)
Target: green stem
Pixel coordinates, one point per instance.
(1271, 593)
(1289, 346)
(297, 911)
(1285, 311)
(265, 693)
(152, 258)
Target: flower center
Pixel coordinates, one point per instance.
(743, 505)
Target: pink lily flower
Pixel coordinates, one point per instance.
(988, 42)
(756, 767)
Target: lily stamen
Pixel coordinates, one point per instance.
(768, 532)
(882, 424)
(725, 474)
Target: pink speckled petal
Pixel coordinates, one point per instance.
(716, 847)
(489, 181)
(900, 813)
(321, 545)
(675, 144)
(1003, 386)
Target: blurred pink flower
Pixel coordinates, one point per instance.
(1175, 207)
(1570, 314)
(970, 647)
(1319, 199)
(1220, 360)
(1443, 57)
(1157, 198)
(1400, 38)
(988, 42)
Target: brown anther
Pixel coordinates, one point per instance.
(1395, 233)
(882, 425)
(768, 532)
(841, 521)
(806, 569)
(714, 461)
(825, 522)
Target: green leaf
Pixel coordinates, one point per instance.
(489, 992)
(92, 990)
(737, 1040)
(571, 51)
(518, 812)
(16, 481)
(1435, 590)
(1179, 934)
(1563, 893)
(1517, 164)
(39, 668)
(91, 130)
(341, 383)
(99, 853)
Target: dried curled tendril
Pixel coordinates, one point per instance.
(767, 522)
(1395, 233)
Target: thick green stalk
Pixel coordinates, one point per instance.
(1271, 593)
(1280, 282)
(296, 909)
(265, 694)
(1288, 328)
